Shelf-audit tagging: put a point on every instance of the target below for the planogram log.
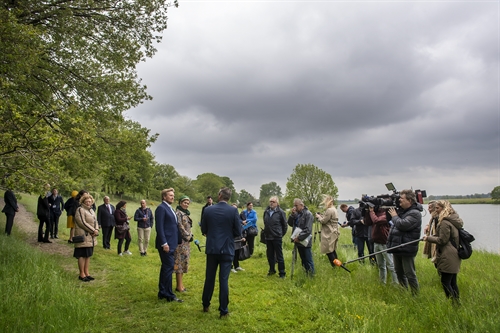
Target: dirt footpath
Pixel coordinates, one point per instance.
(28, 223)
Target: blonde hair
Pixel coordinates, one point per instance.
(86, 196)
(275, 198)
(328, 201)
(447, 209)
(165, 191)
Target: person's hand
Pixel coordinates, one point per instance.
(424, 238)
(392, 211)
(362, 221)
(370, 209)
(243, 239)
(166, 248)
(426, 229)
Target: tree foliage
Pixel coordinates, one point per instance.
(245, 197)
(67, 74)
(309, 183)
(267, 191)
(495, 194)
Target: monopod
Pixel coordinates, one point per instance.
(340, 264)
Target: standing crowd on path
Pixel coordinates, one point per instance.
(392, 236)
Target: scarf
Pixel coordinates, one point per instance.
(185, 211)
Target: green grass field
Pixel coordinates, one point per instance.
(41, 293)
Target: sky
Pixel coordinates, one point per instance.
(371, 92)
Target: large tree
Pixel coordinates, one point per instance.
(495, 194)
(268, 190)
(309, 183)
(67, 74)
(245, 197)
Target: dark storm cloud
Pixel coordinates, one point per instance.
(365, 91)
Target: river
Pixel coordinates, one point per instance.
(482, 221)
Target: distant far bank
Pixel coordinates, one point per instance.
(464, 201)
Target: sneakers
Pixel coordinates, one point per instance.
(120, 254)
(128, 252)
(233, 270)
(239, 269)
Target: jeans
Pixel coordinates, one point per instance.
(274, 253)
(213, 261)
(385, 263)
(405, 270)
(307, 259)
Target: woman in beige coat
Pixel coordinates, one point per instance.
(447, 259)
(329, 228)
(86, 226)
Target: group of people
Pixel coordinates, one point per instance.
(394, 235)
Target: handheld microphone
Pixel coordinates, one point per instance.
(197, 242)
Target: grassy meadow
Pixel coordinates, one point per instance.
(41, 293)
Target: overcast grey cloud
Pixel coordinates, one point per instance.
(370, 92)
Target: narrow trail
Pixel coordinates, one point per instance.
(28, 223)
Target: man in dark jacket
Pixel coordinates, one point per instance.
(106, 219)
(355, 220)
(43, 214)
(275, 227)
(10, 210)
(407, 224)
(220, 224)
(56, 204)
(302, 218)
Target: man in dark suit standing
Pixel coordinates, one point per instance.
(106, 220)
(10, 210)
(43, 214)
(166, 242)
(220, 224)
(56, 203)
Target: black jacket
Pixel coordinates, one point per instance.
(43, 208)
(275, 225)
(10, 207)
(406, 228)
(354, 217)
(304, 220)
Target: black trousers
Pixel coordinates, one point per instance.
(9, 223)
(41, 236)
(106, 236)
(274, 253)
(449, 282)
(54, 224)
(127, 244)
(251, 243)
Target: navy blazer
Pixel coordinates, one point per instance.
(167, 230)
(58, 202)
(104, 217)
(10, 203)
(221, 223)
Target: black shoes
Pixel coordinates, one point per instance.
(181, 291)
(224, 315)
(271, 273)
(206, 308)
(90, 278)
(46, 241)
(84, 279)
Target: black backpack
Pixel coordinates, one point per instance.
(464, 248)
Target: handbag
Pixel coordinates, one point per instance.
(122, 227)
(244, 253)
(78, 239)
(252, 231)
(262, 236)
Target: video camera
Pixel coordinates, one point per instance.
(388, 200)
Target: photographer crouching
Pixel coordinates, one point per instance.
(407, 224)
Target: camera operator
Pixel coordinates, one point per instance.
(354, 218)
(407, 227)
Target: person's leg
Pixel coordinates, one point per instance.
(236, 259)
(309, 260)
(210, 272)
(48, 226)
(446, 283)
(127, 242)
(390, 266)
(398, 267)
(56, 226)
(225, 268)
(271, 257)
(147, 235)
(360, 243)
(9, 222)
(166, 270)
(87, 264)
(454, 286)
(410, 273)
(40, 229)
(251, 243)
(140, 239)
(381, 262)
(278, 251)
(178, 282)
(331, 257)
(81, 266)
(120, 242)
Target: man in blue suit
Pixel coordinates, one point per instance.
(166, 243)
(220, 224)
